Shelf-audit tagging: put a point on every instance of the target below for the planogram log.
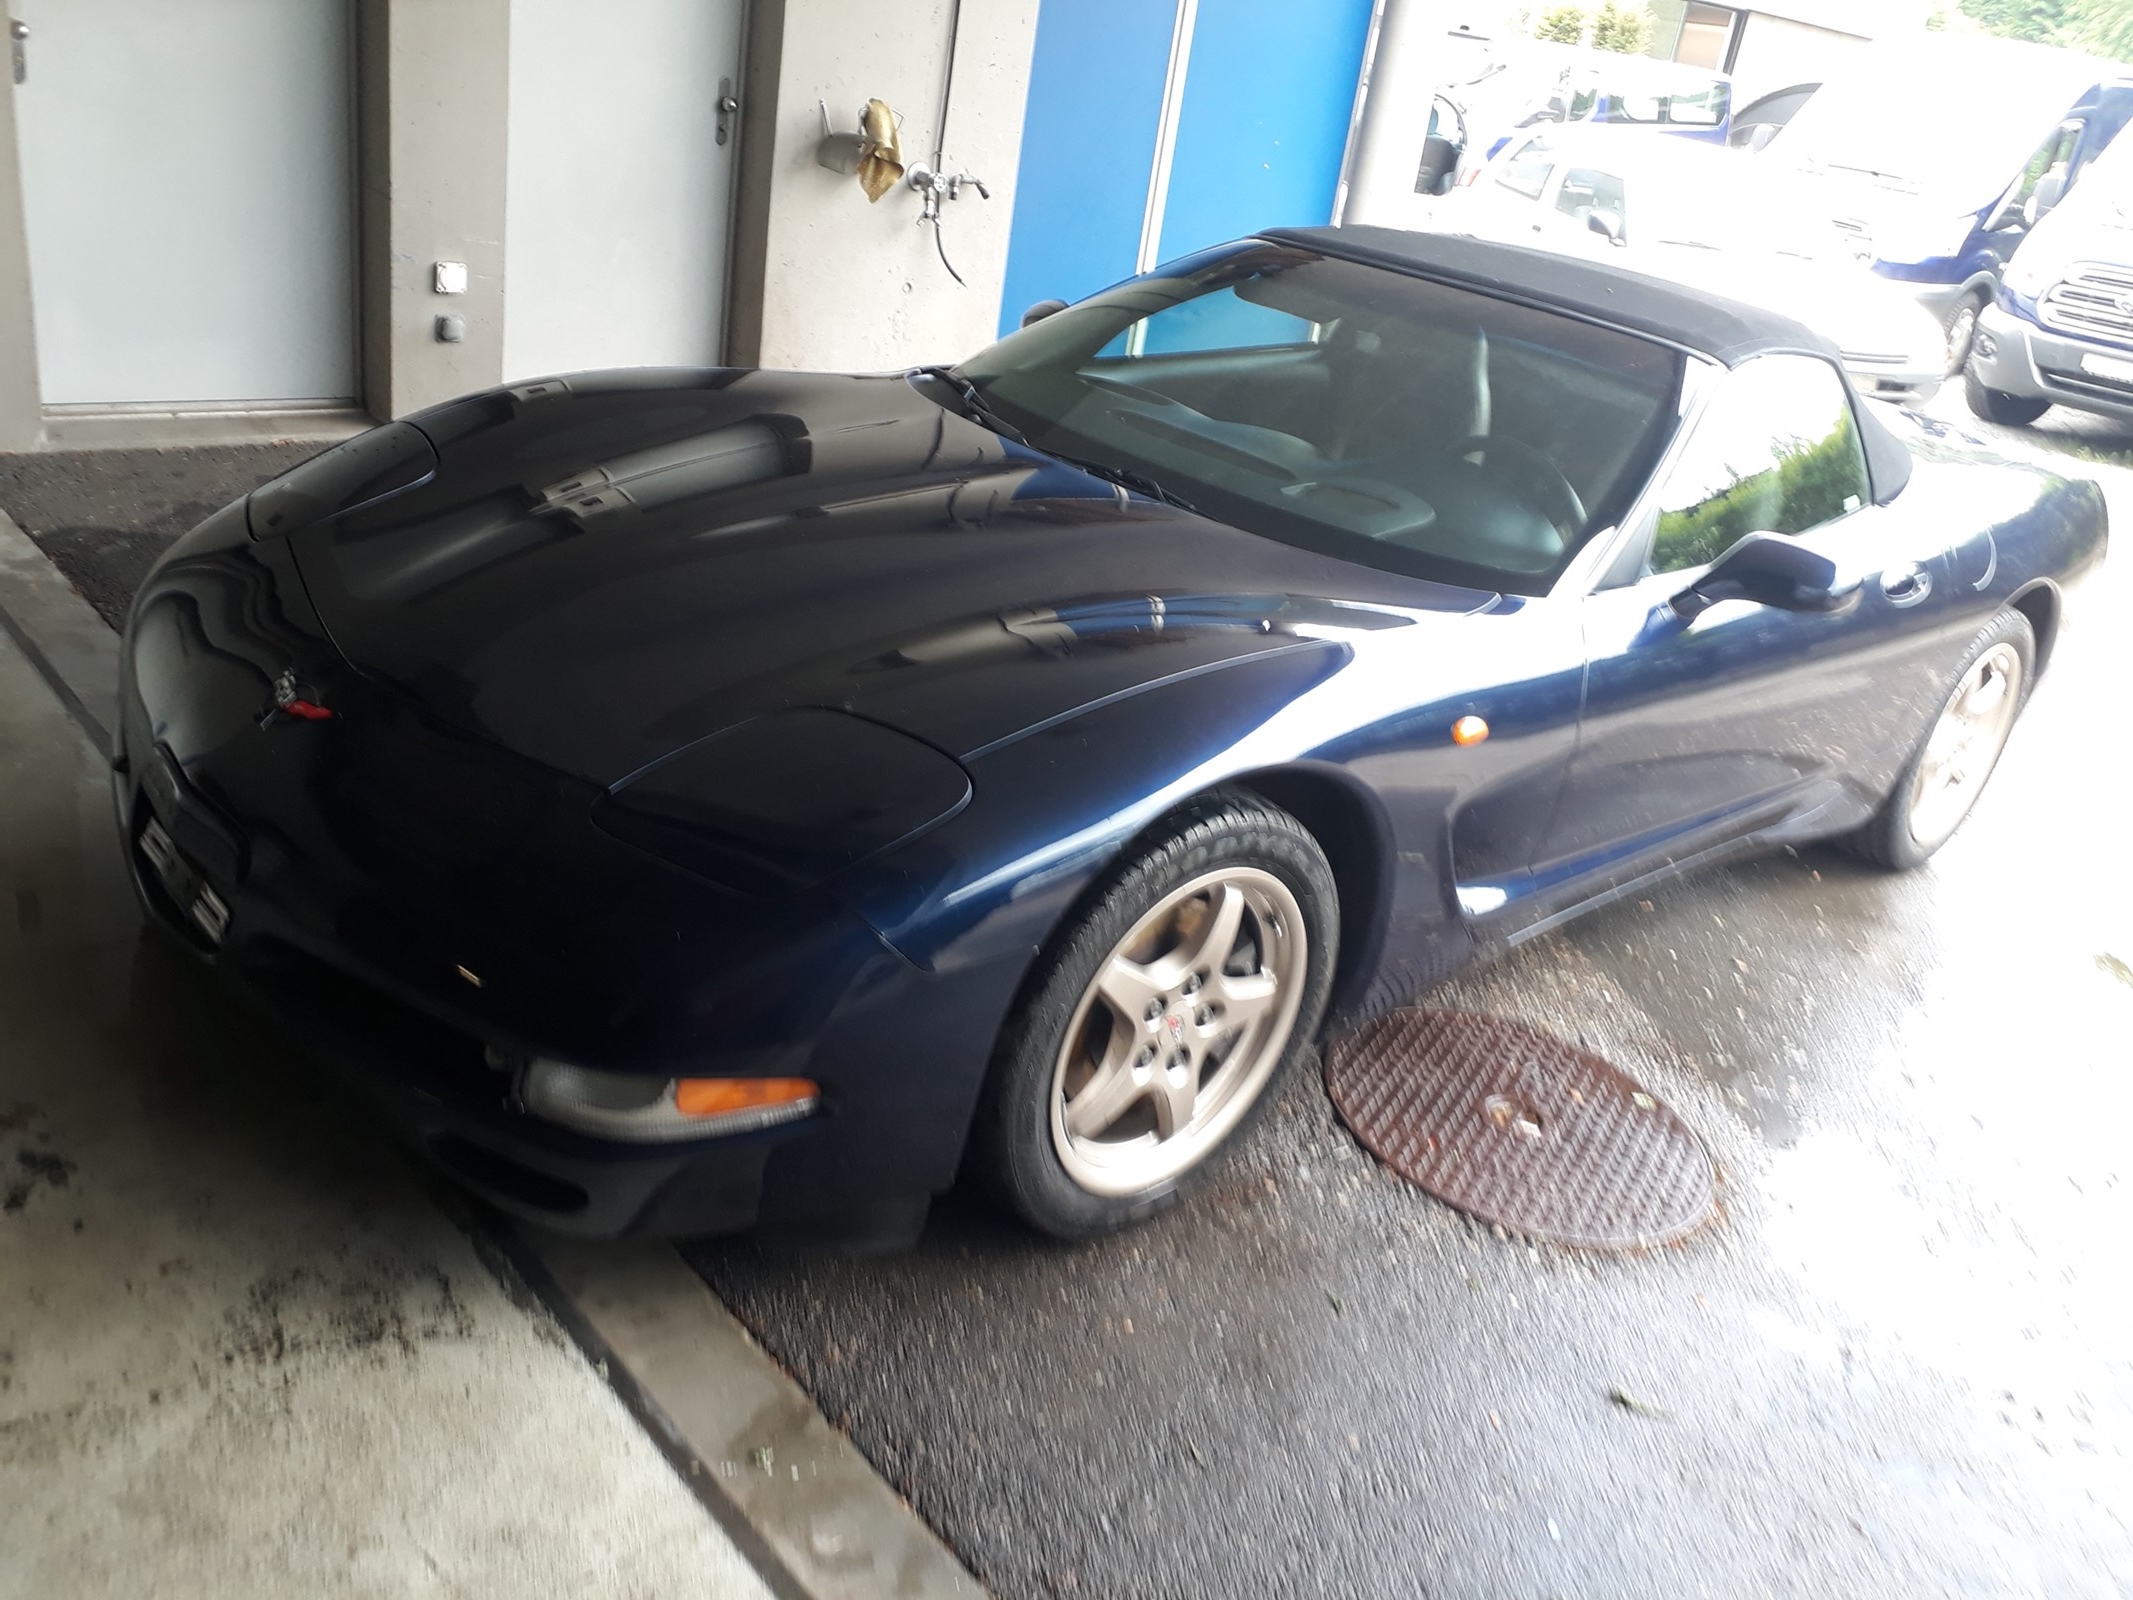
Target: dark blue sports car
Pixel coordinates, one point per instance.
(700, 798)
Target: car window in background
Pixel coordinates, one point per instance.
(1776, 451)
(1525, 170)
(1364, 413)
(1702, 108)
(2056, 154)
(1586, 190)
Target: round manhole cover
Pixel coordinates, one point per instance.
(1520, 1129)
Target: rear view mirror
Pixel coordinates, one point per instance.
(1770, 570)
(1607, 224)
(1041, 310)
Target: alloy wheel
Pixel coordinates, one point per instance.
(1180, 1029)
(1965, 744)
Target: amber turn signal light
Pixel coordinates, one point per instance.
(1469, 730)
(718, 1097)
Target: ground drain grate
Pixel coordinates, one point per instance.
(1520, 1129)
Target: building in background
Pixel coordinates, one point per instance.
(261, 218)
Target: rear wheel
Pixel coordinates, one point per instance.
(1996, 405)
(1159, 1018)
(1948, 770)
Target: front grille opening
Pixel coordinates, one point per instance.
(414, 1044)
(500, 1175)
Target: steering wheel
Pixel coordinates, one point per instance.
(1547, 490)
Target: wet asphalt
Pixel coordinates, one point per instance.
(1897, 1363)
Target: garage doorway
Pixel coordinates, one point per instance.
(188, 194)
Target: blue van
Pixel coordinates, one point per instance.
(2061, 331)
(1938, 203)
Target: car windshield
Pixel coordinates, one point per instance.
(1350, 409)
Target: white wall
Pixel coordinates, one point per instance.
(846, 284)
(1777, 52)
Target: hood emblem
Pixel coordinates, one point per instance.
(297, 700)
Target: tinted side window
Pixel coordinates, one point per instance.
(1776, 451)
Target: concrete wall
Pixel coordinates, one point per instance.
(433, 91)
(823, 278)
(21, 408)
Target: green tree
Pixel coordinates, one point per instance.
(1563, 24)
(2104, 26)
(1621, 29)
(2036, 21)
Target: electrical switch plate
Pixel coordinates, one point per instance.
(451, 277)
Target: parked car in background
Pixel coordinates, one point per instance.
(1712, 219)
(2061, 330)
(1554, 85)
(1936, 155)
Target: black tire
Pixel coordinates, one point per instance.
(1013, 1148)
(1888, 840)
(1960, 328)
(1996, 405)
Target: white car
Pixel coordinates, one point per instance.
(1710, 218)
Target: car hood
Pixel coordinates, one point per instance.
(607, 567)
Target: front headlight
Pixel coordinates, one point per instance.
(618, 1105)
(2027, 275)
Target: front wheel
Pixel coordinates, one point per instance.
(1947, 772)
(1996, 405)
(1961, 332)
(1156, 1022)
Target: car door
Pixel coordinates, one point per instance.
(1697, 729)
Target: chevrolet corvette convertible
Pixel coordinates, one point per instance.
(691, 800)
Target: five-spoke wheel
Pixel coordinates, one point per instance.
(1150, 1030)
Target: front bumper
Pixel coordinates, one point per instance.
(433, 1083)
(2015, 356)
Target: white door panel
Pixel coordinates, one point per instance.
(618, 189)
(188, 188)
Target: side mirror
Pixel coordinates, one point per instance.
(2050, 190)
(1770, 570)
(1607, 224)
(1041, 310)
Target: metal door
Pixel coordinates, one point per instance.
(188, 190)
(624, 124)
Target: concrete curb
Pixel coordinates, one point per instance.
(751, 1442)
(67, 642)
(795, 1496)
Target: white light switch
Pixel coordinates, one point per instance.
(451, 277)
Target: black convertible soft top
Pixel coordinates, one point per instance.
(1727, 331)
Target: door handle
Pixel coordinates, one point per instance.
(728, 103)
(18, 48)
(1906, 586)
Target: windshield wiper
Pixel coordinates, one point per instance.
(975, 406)
(1125, 478)
(979, 410)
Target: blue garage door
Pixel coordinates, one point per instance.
(1261, 106)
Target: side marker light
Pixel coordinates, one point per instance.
(1469, 730)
